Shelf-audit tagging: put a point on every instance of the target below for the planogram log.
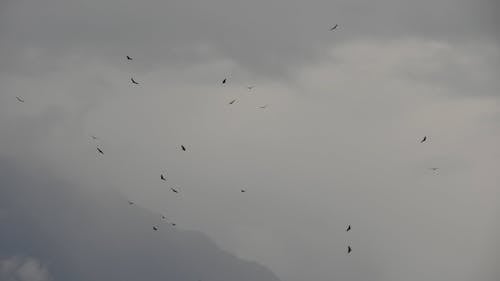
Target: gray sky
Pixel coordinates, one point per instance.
(338, 143)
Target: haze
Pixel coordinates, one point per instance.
(337, 141)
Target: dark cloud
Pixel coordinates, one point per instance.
(264, 37)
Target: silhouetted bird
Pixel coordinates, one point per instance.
(133, 81)
(243, 190)
(162, 177)
(250, 87)
(100, 151)
(262, 107)
(129, 58)
(349, 249)
(19, 99)
(163, 217)
(173, 224)
(174, 190)
(130, 202)
(183, 148)
(348, 228)
(231, 102)
(94, 137)
(334, 27)
(434, 169)
(224, 81)
(155, 228)
(424, 139)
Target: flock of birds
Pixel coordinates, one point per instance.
(183, 148)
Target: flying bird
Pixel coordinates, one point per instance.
(183, 148)
(163, 217)
(231, 102)
(100, 151)
(250, 87)
(434, 169)
(334, 27)
(262, 107)
(133, 81)
(162, 177)
(155, 228)
(130, 202)
(174, 190)
(349, 249)
(348, 228)
(224, 81)
(423, 139)
(19, 99)
(129, 58)
(243, 191)
(173, 224)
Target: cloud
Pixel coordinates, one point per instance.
(23, 269)
(337, 144)
(267, 38)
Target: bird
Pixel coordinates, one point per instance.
(434, 169)
(243, 191)
(250, 87)
(163, 217)
(183, 148)
(334, 27)
(94, 137)
(130, 202)
(263, 106)
(173, 224)
(19, 99)
(348, 228)
(133, 81)
(224, 81)
(155, 228)
(423, 139)
(100, 151)
(231, 102)
(174, 190)
(162, 177)
(129, 58)
(349, 249)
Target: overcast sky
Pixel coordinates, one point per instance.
(337, 144)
